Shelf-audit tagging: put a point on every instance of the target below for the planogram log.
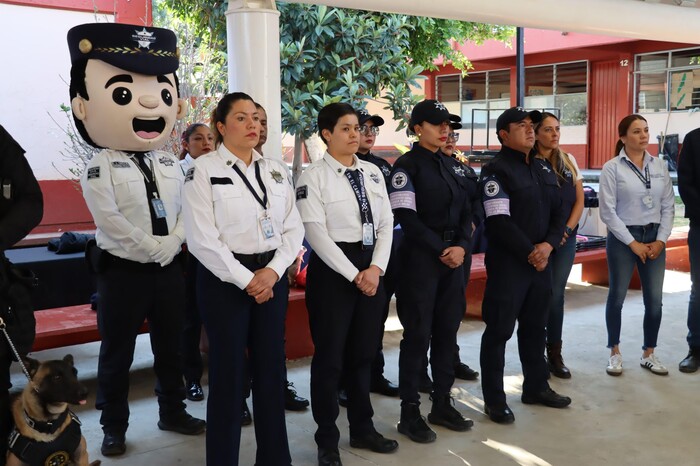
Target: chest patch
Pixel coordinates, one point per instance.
(120, 164)
(374, 177)
(277, 176)
(458, 170)
(386, 170)
(168, 162)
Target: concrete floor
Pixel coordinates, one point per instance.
(636, 419)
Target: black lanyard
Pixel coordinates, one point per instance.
(263, 201)
(644, 179)
(358, 187)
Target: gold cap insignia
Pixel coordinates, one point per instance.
(85, 46)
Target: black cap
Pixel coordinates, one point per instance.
(515, 115)
(432, 111)
(456, 125)
(138, 49)
(363, 116)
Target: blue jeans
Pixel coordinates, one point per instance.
(560, 263)
(621, 262)
(694, 302)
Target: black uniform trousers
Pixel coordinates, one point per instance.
(192, 365)
(345, 328)
(514, 291)
(430, 303)
(129, 293)
(234, 321)
(5, 416)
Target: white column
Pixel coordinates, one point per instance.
(253, 39)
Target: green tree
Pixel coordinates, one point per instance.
(332, 54)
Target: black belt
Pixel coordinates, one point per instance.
(119, 262)
(260, 258)
(349, 247)
(648, 226)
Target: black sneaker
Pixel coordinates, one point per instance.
(444, 414)
(384, 387)
(293, 402)
(691, 362)
(464, 372)
(413, 425)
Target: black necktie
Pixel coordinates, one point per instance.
(159, 225)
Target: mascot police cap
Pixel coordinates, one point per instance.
(139, 49)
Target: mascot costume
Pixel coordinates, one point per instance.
(125, 101)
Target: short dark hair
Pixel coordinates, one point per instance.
(222, 109)
(330, 114)
(187, 134)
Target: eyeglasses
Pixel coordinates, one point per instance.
(453, 136)
(367, 130)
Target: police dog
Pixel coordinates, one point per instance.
(46, 431)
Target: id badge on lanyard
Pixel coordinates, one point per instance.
(158, 206)
(268, 230)
(367, 234)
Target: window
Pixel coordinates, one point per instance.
(667, 81)
(561, 86)
(476, 91)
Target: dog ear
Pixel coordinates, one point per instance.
(31, 364)
(68, 358)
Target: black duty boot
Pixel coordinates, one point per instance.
(556, 362)
(413, 425)
(691, 362)
(444, 414)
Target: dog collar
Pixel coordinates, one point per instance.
(46, 427)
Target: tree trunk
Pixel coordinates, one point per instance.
(297, 160)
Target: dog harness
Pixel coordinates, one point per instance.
(58, 452)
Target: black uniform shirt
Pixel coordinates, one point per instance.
(383, 165)
(429, 197)
(689, 175)
(21, 201)
(473, 194)
(521, 204)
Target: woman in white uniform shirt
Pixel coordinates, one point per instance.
(637, 205)
(349, 225)
(243, 227)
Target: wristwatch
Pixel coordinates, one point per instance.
(568, 230)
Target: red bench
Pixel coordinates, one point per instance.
(74, 325)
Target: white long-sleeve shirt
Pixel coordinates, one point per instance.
(331, 214)
(622, 195)
(222, 215)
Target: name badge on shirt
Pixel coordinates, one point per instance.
(158, 208)
(367, 234)
(648, 201)
(268, 230)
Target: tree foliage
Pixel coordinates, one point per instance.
(332, 54)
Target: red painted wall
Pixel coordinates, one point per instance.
(129, 12)
(64, 208)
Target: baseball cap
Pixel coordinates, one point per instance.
(515, 115)
(363, 116)
(432, 111)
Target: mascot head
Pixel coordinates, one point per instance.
(123, 87)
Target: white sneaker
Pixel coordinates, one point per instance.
(614, 365)
(652, 363)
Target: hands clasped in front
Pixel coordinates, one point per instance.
(453, 256)
(539, 256)
(367, 280)
(260, 287)
(647, 250)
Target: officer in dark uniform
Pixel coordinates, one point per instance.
(524, 223)
(124, 99)
(21, 209)
(369, 129)
(429, 198)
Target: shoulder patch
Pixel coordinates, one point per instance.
(491, 188)
(189, 176)
(399, 180)
(93, 173)
(495, 199)
(120, 164)
(302, 192)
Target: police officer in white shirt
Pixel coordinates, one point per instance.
(127, 104)
(346, 212)
(243, 227)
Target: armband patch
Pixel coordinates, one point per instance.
(93, 173)
(302, 192)
(189, 176)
